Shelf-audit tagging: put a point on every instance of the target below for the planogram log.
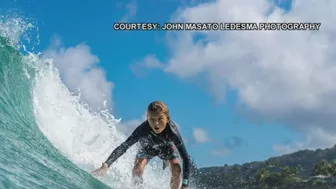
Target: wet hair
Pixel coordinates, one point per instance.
(158, 107)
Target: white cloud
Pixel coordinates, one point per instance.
(78, 68)
(288, 147)
(317, 137)
(284, 77)
(200, 135)
(129, 126)
(142, 68)
(131, 11)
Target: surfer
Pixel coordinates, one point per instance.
(158, 136)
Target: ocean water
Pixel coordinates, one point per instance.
(49, 138)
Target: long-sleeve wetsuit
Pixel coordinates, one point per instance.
(150, 140)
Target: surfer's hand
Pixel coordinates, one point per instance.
(101, 171)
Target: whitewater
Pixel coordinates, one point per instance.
(49, 137)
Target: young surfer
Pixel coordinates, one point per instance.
(158, 136)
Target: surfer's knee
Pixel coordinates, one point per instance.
(139, 166)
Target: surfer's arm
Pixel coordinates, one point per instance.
(178, 141)
(186, 163)
(123, 147)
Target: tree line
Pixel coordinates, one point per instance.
(272, 175)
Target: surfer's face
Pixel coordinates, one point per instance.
(157, 121)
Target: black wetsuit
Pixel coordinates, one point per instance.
(156, 145)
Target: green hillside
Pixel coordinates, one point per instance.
(292, 171)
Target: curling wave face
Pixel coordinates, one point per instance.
(50, 139)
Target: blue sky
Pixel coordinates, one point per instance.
(232, 137)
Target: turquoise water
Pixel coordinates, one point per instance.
(27, 158)
(49, 138)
